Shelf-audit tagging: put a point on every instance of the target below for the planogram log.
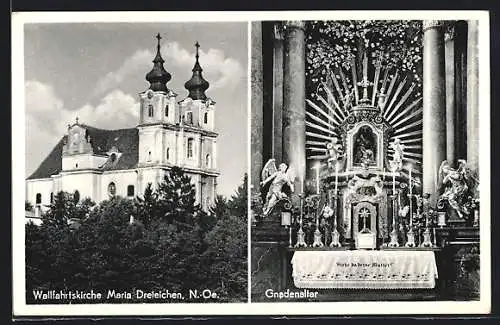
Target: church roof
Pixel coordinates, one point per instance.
(158, 76)
(197, 85)
(126, 141)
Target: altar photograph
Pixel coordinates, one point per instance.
(365, 147)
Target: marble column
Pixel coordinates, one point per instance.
(294, 145)
(449, 53)
(472, 95)
(277, 151)
(460, 58)
(434, 105)
(256, 106)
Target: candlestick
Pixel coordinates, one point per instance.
(394, 233)
(393, 183)
(335, 234)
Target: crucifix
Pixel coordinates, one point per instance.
(364, 214)
(364, 83)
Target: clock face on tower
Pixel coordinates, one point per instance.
(150, 94)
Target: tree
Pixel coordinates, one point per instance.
(62, 209)
(220, 207)
(238, 204)
(176, 197)
(226, 254)
(28, 206)
(103, 246)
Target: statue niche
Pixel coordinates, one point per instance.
(365, 147)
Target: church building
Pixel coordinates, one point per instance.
(99, 164)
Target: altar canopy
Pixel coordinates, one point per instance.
(364, 269)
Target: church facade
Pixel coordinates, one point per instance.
(99, 164)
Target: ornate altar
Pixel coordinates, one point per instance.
(364, 173)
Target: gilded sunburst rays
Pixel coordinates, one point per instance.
(391, 93)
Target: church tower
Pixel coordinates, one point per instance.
(175, 133)
(197, 125)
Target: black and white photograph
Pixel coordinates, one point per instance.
(365, 169)
(135, 162)
(272, 163)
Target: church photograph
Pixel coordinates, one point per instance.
(366, 178)
(135, 162)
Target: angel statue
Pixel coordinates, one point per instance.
(397, 160)
(335, 151)
(281, 184)
(458, 187)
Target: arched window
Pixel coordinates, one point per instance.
(207, 160)
(112, 189)
(130, 190)
(167, 156)
(76, 196)
(150, 110)
(149, 155)
(166, 110)
(51, 197)
(38, 198)
(189, 117)
(205, 118)
(190, 142)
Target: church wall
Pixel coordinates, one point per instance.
(122, 180)
(194, 160)
(83, 182)
(84, 161)
(169, 140)
(147, 144)
(42, 186)
(207, 149)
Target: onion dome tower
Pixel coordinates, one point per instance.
(158, 76)
(197, 85)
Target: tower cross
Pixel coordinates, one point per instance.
(158, 37)
(197, 49)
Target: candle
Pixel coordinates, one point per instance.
(365, 67)
(317, 179)
(336, 178)
(411, 197)
(409, 173)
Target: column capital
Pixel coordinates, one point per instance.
(278, 31)
(429, 24)
(449, 33)
(295, 24)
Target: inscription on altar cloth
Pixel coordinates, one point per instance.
(364, 264)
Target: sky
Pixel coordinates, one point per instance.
(95, 71)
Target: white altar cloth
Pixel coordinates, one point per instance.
(364, 269)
